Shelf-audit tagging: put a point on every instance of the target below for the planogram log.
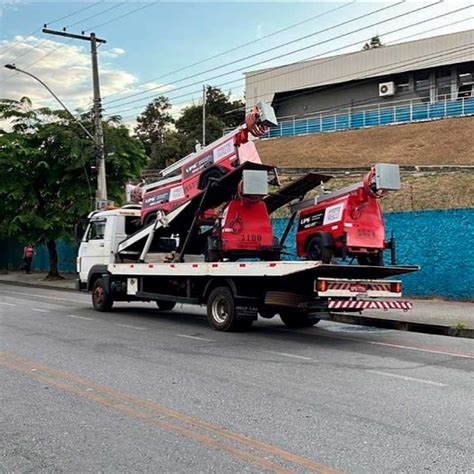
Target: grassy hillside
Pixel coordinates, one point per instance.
(440, 142)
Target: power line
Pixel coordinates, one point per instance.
(324, 30)
(375, 70)
(131, 12)
(61, 45)
(284, 66)
(274, 33)
(76, 12)
(113, 7)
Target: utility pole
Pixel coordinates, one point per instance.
(99, 133)
(101, 195)
(204, 99)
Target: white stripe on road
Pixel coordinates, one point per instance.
(139, 328)
(387, 344)
(70, 300)
(194, 337)
(78, 317)
(285, 354)
(40, 310)
(410, 379)
(7, 304)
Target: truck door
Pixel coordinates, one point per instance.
(94, 249)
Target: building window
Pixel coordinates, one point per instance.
(402, 83)
(465, 80)
(443, 83)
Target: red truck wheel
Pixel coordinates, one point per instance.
(320, 247)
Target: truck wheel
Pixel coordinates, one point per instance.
(372, 259)
(101, 298)
(215, 173)
(165, 305)
(298, 320)
(320, 248)
(221, 311)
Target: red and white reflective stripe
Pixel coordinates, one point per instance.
(345, 304)
(348, 286)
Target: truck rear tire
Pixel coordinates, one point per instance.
(101, 298)
(221, 311)
(165, 305)
(298, 320)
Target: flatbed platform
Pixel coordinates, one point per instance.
(262, 269)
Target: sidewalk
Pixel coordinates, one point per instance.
(37, 280)
(451, 318)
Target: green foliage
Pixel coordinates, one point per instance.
(46, 182)
(221, 113)
(165, 144)
(153, 122)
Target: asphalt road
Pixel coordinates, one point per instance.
(140, 390)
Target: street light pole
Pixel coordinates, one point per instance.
(12, 67)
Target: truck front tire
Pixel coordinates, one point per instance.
(298, 320)
(101, 298)
(221, 311)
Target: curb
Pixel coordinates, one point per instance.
(346, 318)
(401, 325)
(44, 286)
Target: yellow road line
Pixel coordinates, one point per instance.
(133, 406)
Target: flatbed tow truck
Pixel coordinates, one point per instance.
(166, 262)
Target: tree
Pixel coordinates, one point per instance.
(221, 113)
(46, 186)
(375, 42)
(152, 125)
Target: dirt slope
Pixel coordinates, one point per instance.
(448, 141)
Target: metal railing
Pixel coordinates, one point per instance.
(373, 115)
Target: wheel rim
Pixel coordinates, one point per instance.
(99, 295)
(220, 310)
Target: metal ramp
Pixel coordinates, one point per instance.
(294, 190)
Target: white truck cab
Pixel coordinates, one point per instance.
(105, 230)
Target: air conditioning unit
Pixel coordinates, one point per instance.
(386, 89)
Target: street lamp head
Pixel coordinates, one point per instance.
(10, 66)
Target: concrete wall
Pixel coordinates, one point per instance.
(440, 241)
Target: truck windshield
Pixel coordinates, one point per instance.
(96, 230)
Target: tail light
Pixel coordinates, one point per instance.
(396, 287)
(321, 285)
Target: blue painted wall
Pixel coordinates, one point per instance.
(440, 241)
(11, 253)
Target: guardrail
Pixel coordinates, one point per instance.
(373, 115)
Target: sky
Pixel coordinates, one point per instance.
(152, 46)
